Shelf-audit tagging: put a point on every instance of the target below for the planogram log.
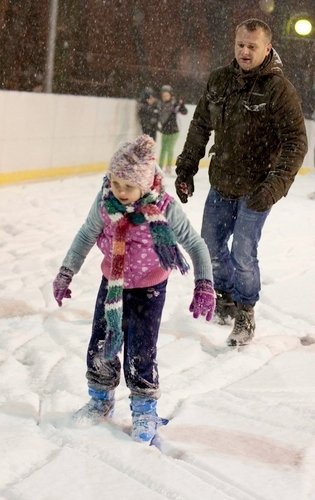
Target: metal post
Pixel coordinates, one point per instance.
(51, 46)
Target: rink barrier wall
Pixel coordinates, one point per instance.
(47, 136)
(50, 173)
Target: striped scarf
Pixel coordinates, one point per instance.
(146, 210)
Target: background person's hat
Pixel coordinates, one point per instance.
(167, 88)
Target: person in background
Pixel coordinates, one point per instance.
(169, 107)
(148, 112)
(259, 145)
(137, 226)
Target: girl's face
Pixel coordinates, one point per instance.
(126, 192)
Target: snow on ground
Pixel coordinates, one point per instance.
(242, 421)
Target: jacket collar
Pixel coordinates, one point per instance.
(272, 64)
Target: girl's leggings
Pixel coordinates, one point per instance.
(142, 311)
(167, 149)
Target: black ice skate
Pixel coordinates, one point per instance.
(244, 326)
(225, 309)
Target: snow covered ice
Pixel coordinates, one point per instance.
(242, 422)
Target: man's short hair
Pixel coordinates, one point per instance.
(254, 24)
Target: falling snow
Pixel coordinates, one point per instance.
(241, 422)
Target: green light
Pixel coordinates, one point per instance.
(303, 27)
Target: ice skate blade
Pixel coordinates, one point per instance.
(143, 439)
(235, 343)
(152, 441)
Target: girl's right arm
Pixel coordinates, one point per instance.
(85, 238)
(191, 241)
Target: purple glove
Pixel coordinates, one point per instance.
(61, 285)
(204, 300)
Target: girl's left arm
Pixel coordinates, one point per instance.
(191, 241)
(85, 238)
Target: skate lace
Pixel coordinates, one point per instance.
(242, 323)
(145, 421)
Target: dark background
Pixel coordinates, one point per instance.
(116, 47)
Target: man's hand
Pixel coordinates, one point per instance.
(261, 199)
(184, 187)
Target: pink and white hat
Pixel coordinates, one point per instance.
(135, 162)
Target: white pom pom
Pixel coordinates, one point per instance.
(144, 145)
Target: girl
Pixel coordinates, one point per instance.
(168, 110)
(136, 225)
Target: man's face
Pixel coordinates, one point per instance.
(251, 48)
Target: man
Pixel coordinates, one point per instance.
(259, 146)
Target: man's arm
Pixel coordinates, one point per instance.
(197, 138)
(289, 124)
(187, 163)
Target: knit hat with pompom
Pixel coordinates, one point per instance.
(135, 162)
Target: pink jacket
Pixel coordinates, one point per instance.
(142, 267)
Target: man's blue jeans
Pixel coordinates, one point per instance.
(235, 267)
